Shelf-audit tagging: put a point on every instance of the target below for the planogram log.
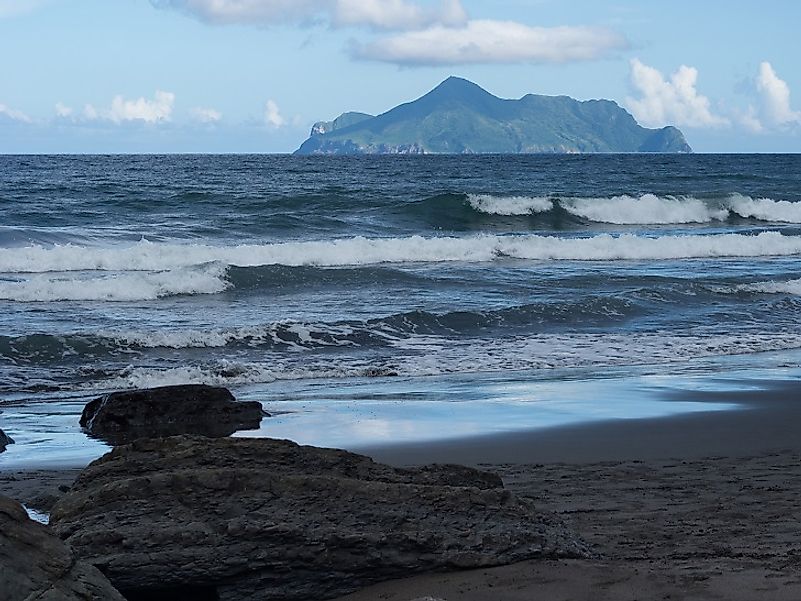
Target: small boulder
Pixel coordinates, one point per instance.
(262, 519)
(5, 440)
(36, 564)
(121, 417)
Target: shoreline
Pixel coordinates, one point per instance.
(764, 421)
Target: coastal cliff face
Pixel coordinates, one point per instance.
(459, 117)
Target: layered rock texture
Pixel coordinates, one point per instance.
(122, 417)
(235, 519)
(459, 117)
(36, 565)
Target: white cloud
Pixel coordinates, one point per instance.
(157, 110)
(249, 12)
(13, 114)
(379, 14)
(205, 115)
(272, 115)
(397, 14)
(670, 102)
(774, 97)
(62, 110)
(90, 112)
(485, 41)
(142, 109)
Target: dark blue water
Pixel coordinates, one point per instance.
(126, 271)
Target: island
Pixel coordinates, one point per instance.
(460, 117)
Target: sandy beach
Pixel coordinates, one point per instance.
(698, 506)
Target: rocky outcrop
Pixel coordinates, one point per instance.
(122, 417)
(5, 440)
(235, 519)
(36, 564)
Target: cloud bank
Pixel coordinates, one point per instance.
(437, 32)
(487, 41)
(670, 101)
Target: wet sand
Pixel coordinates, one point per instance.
(692, 507)
(768, 420)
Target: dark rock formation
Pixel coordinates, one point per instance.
(237, 519)
(122, 417)
(36, 564)
(5, 440)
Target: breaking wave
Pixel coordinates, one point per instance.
(789, 287)
(161, 259)
(124, 286)
(647, 209)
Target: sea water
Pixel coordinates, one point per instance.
(382, 299)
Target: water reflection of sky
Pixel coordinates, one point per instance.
(425, 409)
(355, 413)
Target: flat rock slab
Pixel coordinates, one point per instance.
(237, 519)
(121, 417)
(36, 564)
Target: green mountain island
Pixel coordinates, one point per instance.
(459, 117)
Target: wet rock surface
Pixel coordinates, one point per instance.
(122, 417)
(5, 440)
(36, 564)
(236, 519)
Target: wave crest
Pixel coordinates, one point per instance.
(116, 287)
(646, 209)
(162, 259)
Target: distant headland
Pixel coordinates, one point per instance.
(460, 117)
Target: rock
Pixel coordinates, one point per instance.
(122, 417)
(36, 564)
(235, 519)
(5, 440)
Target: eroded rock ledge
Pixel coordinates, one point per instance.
(236, 519)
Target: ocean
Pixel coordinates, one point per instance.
(367, 300)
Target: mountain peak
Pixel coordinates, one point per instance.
(458, 86)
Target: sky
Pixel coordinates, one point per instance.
(105, 76)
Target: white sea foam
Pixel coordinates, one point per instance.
(225, 373)
(442, 355)
(647, 209)
(288, 334)
(789, 287)
(124, 286)
(207, 278)
(765, 209)
(509, 205)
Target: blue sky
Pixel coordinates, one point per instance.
(253, 75)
